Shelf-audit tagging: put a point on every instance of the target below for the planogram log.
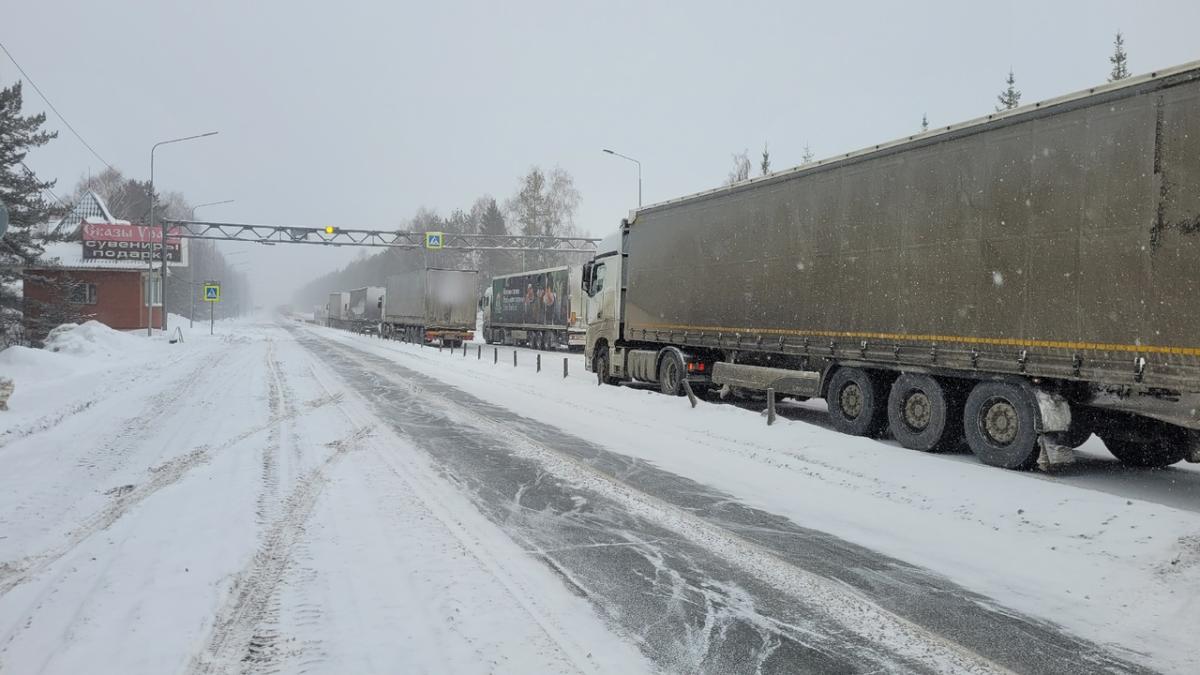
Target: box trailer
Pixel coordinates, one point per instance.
(337, 309)
(431, 305)
(1022, 281)
(365, 309)
(541, 309)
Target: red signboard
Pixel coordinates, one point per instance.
(119, 241)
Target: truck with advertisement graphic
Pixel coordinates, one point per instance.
(1014, 284)
(542, 309)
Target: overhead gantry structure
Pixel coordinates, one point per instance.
(341, 236)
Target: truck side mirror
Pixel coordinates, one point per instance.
(587, 277)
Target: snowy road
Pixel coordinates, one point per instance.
(293, 499)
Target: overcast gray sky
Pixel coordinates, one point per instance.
(358, 113)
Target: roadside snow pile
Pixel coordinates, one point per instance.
(91, 339)
(23, 362)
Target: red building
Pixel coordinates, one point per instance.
(113, 292)
(101, 272)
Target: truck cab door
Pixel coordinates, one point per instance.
(485, 309)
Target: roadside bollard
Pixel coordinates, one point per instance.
(440, 342)
(687, 389)
(539, 363)
(564, 366)
(770, 406)
(514, 358)
(478, 352)
(495, 355)
(464, 349)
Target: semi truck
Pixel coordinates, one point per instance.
(365, 309)
(542, 309)
(1018, 282)
(431, 305)
(337, 309)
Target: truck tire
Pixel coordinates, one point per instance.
(1000, 422)
(923, 415)
(600, 365)
(857, 402)
(1141, 442)
(671, 374)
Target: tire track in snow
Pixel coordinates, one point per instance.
(241, 632)
(126, 497)
(122, 380)
(267, 496)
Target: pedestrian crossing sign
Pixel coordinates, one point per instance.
(212, 292)
(433, 240)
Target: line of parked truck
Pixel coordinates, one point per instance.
(542, 308)
(1014, 284)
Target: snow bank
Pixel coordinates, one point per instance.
(91, 339)
(22, 362)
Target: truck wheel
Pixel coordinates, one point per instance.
(923, 415)
(857, 403)
(1000, 423)
(1145, 443)
(670, 374)
(600, 365)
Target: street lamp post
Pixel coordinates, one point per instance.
(162, 256)
(639, 166)
(192, 267)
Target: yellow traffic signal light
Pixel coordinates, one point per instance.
(329, 229)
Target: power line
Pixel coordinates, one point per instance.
(56, 112)
(46, 189)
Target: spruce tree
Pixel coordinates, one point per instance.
(22, 192)
(1011, 97)
(765, 165)
(1120, 69)
(924, 122)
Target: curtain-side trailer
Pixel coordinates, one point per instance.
(1019, 281)
(543, 309)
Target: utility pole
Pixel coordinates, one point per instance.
(162, 249)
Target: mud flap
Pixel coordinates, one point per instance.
(1052, 454)
(1053, 411)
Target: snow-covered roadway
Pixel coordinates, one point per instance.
(244, 514)
(293, 498)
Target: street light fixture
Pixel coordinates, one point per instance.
(192, 267)
(639, 166)
(162, 284)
